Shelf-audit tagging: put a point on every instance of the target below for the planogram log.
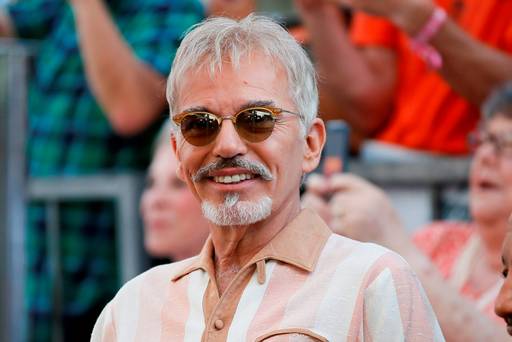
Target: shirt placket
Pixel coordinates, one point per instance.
(219, 312)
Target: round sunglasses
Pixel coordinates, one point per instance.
(253, 124)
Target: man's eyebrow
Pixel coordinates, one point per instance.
(258, 103)
(249, 104)
(196, 109)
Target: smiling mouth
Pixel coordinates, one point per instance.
(233, 179)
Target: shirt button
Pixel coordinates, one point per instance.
(219, 324)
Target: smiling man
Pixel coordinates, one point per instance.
(243, 100)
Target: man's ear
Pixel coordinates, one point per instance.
(315, 141)
(179, 170)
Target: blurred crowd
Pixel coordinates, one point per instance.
(414, 80)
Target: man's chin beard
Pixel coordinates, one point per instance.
(233, 212)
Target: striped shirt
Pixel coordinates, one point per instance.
(306, 284)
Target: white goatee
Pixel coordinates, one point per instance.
(234, 212)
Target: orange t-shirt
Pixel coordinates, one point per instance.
(428, 115)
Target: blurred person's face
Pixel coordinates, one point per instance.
(282, 155)
(173, 224)
(491, 172)
(503, 305)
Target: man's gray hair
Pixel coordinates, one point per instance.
(215, 40)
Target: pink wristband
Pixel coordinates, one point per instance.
(419, 43)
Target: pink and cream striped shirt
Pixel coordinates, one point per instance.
(306, 284)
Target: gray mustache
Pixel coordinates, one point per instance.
(253, 166)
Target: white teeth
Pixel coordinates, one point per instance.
(233, 178)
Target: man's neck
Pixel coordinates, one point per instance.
(235, 246)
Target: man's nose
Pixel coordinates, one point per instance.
(228, 143)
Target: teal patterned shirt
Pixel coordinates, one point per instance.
(69, 135)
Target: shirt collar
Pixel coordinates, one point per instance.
(299, 244)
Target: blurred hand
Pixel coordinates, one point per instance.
(356, 209)
(362, 211)
(311, 10)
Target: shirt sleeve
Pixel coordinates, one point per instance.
(159, 29)
(370, 30)
(396, 306)
(104, 328)
(33, 19)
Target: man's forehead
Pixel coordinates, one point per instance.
(255, 83)
(216, 70)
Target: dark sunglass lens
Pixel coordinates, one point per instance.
(255, 125)
(199, 128)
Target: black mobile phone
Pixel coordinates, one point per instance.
(336, 151)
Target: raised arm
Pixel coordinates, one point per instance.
(362, 80)
(472, 68)
(130, 92)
